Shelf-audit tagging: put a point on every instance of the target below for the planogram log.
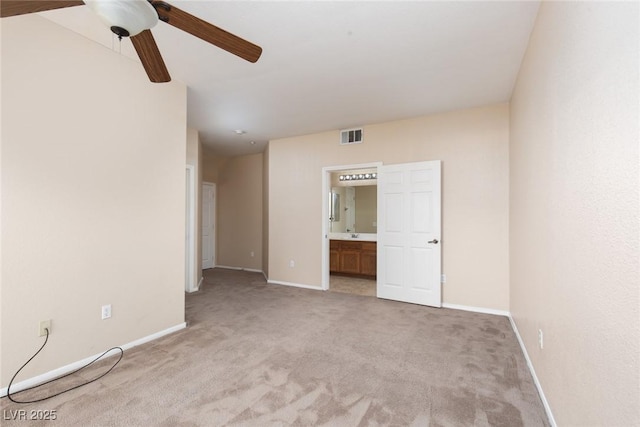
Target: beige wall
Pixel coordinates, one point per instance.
(1, 210)
(265, 212)
(574, 210)
(212, 164)
(194, 158)
(239, 188)
(92, 180)
(473, 145)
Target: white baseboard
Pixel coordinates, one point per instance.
(295, 285)
(476, 309)
(228, 267)
(39, 379)
(252, 270)
(197, 288)
(545, 403)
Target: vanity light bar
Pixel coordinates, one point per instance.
(358, 176)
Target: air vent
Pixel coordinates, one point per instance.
(350, 136)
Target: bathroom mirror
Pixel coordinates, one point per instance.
(354, 209)
(334, 206)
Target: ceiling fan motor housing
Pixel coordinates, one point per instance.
(125, 17)
(119, 31)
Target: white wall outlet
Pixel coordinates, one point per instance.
(106, 311)
(253, 254)
(540, 339)
(44, 324)
(292, 263)
(443, 278)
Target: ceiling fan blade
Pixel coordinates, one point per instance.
(150, 56)
(22, 7)
(207, 32)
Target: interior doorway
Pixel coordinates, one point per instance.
(349, 238)
(405, 252)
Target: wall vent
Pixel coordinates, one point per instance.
(351, 136)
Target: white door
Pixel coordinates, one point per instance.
(208, 225)
(409, 248)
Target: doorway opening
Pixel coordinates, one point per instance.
(349, 222)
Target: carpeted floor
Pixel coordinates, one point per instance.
(262, 355)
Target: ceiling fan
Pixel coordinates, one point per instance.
(135, 18)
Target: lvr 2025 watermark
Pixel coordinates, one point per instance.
(31, 414)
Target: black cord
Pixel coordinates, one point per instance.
(10, 396)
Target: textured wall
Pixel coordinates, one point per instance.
(93, 197)
(239, 205)
(574, 210)
(265, 212)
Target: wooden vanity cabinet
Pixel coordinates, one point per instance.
(334, 257)
(368, 258)
(352, 258)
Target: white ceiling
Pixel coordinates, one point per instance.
(333, 65)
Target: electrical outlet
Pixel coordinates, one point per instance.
(443, 278)
(253, 254)
(44, 324)
(106, 311)
(292, 263)
(540, 339)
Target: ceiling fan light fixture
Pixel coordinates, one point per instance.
(125, 17)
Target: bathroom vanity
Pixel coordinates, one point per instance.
(353, 258)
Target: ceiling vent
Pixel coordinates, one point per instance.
(351, 136)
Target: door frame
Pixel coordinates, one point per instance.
(190, 229)
(214, 230)
(326, 188)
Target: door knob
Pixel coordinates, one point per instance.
(434, 241)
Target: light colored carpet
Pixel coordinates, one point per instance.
(266, 355)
